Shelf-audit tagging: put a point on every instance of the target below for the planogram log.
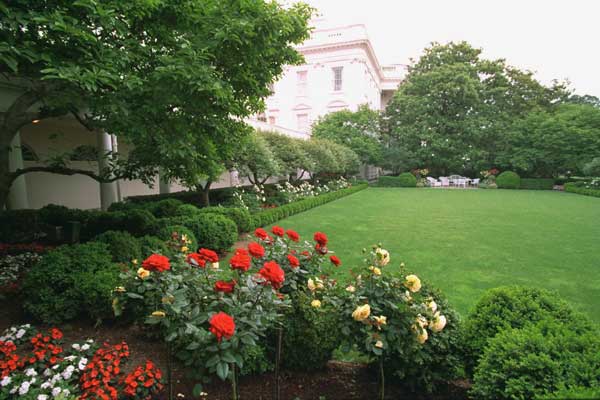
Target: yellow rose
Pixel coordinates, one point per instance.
(184, 249)
(319, 283)
(134, 261)
(168, 299)
(408, 296)
(362, 312)
(383, 256)
(438, 323)
(350, 289)
(379, 344)
(381, 320)
(402, 265)
(311, 285)
(315, 303)
(214, 265)
(421, 321)
(158, 314)
(143, 273)
(432, 305)
(119, 289)
(375, 270)
(413, 283)
(422, 336)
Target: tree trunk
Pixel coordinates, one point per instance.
(5, 179)
(204, 194)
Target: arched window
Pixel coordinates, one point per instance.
(28, 154)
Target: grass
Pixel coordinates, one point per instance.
(467, 241)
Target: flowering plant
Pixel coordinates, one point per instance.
(252, 199)
(12, 269)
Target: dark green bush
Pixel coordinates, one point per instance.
(572, 393)
(17, 226)
(152, 244)
(309, 336)
(508, 180)
(166, 232)
(537, 360)
(405, 179)
(438, 361)
(537, 184)
(138, 222)
(164, 208)
(241, 216)
(256, 361)
(592, 168)
(217, 196)
(56, 215)
(63, 285)
(580, 188)
(121, 245)
(213, 231)
(186, 210)
(512, 307)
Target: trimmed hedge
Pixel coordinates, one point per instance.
(508, 180)
(138, 222)
(18, 226)
(241, 216)
(579, 188)
(166, 232)
(212, 231)
(121, 245)
(405, 179)
(537, 184)
(271, 215)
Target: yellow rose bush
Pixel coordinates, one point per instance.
(396, 320)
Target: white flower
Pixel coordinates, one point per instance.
(85, 347)
(46, 385)
(66, 392)
(24, 388)
(76, 346)
(20, 333)
(30, 372)
(70, 358)
(82, 363)
(5, 381)
(56, 391)
(42, 397)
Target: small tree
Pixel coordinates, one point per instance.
(255, 160)
(288, 152)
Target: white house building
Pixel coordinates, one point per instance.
(341, 72)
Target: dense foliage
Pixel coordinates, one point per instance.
(508, 180)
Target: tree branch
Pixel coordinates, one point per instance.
(82, 121)
(66, 171)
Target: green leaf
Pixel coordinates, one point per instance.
(214, 360)
(228, 357)
(197, 390)
(222, 370)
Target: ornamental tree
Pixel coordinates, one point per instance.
(288, 152)
(172, 80)
(255, 160)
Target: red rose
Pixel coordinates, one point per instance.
(256, 250)
(225, 287)
(335, 261)
(272, 273)
(293, 235)
(320, 238)
(277, 230)
(241, 260)
(222, 325)
(208, 255)
(56, 334)
(261, 233)
(321, 249)
(156, 263)
(195, 259)
(294, 262)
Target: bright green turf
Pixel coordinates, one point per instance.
(466, 241)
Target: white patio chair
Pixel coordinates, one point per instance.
(475, 182)
(461, 182)
(433, 182)
(445, 182)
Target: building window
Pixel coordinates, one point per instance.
(262, 117)
(337, 78)
(303, 122)
(271, 120)
(302, 82)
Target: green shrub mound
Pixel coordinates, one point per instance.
(212, 231)
(537, 184)
(405, 179)
(241, 216)
(122, 245)
(537, 360)
(435, 363)
(580, 188)
(71, 281)
(512, 307)
(17, 226)
(138, 222)
(572, 393)
(152, 244)
(508, 180)
(166, 232)
(256, 361)
(164, 208)
(186, 210)
(56, 215)
(309, 336)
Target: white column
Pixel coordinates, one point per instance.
(115, 149)
(108, 191)
(17, 197)
(164, 186)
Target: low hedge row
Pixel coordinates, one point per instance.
(405, 179)
(271, 215)
(537, 183)
(579, 188)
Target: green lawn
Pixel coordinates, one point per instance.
(466, 241)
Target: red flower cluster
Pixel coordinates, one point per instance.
(241, 260)
(294, 262)
(321, 249)
(278, 231)
(256, 250)
(195, 259)
(261, 234)
(272, 273)
(98, 378)
(18, 248)
(201, 257)
(293, 235)
(9, 360)
(156, 263)
(209, 255)
(225, 287)
(320, 238)
(335, 260)
(222, 326)
(144, 382)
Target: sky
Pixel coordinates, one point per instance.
(555, 39)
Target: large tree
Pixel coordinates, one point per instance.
(359, 130)
(453, 108)
(174, 79)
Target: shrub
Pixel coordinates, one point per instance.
(53, 214)
(580, 188)
(537, 184)
(592, 168)
(508, 180)
(310, 336)
(439, 360)
(572, 393)
(512, 307)
(121, 245)
(138, 222)
(164, 208)
(256, 361)
(19, 226)
(241, 216)
(152, 244)
(62, 285)
(537, 360)
(405, 179)
(213, 231)
(186, 210)
(167, 231)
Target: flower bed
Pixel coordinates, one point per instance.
(591, 188)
